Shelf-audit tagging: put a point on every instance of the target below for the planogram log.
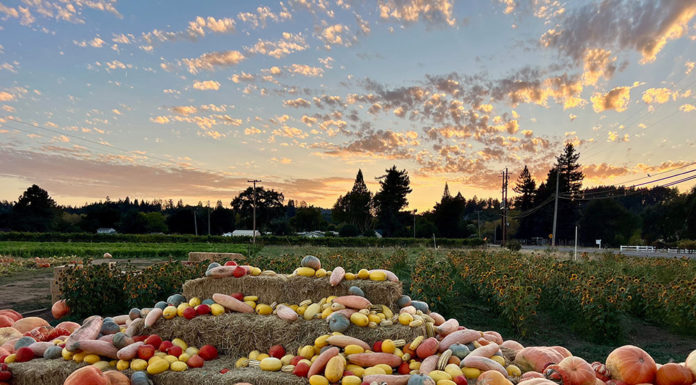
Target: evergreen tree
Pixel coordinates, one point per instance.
(448, 215)
(35, 211)
(526, 187)
(391, 199)
(356, 206)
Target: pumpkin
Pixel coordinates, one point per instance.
(536, 358)
(338, 323)
(117, 378)
(6, 321)
(88, 375)
(691, 363)
(420, 379)
(311, 261)
(631, 365)
(60, 309)
(571, 371)
(492, 377)
(674, 374)
(26, 324)
(11, 313)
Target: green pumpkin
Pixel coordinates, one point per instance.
(53, 352)
(338, 323)
(459, 350)
(311, 261)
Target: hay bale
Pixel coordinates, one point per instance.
(236, 334)
(54, 372)
(42, 371)
(196, 256)
(292, 289)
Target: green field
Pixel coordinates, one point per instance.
(116, 249)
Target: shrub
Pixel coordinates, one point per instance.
(513, 245)
(687, 244)
(348, 230)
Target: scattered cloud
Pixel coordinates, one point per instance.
(210, 61)
(206, 85)
(603, 171)
(617, 99)
(263, 15)
(617, 137)
(305, 70)
(644, 26)
(64, 10)
(160, 120)
(433, 12)
(278, 49)
(97, 42)
(683, 107)
(196, 29)
(296, 103)
(184, 110)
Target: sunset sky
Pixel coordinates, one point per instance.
(173, 99)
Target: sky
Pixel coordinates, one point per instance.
(173, 99)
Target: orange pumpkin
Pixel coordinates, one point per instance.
(60, 309)
(571, 371)
(117, 378)
(674, 374)
(601, 371)
(88, 375)
(5, 321)
(26, 324)
(631, 365)
(492, 377)
(536, 358)
(11, 313)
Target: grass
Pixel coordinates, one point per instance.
(116, 249)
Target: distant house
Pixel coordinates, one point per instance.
(242, 233)
(106, 230)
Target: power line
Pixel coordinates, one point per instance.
(629, 193)
(610, 189)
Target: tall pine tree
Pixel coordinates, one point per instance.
(356, 206)
(391, 199)
(526, 187)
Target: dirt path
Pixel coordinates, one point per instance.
(29, 291)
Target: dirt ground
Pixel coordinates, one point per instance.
(29, 292)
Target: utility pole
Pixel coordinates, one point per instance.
(208, 218)
(575, 254)
(555, 207)
(505, 208)
(254, 192)
(195, 222)
(414, 222)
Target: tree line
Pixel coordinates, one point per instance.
(657, 215)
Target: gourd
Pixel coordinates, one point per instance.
(88, 375)
(334, 368)
(673, 374)
(26, 324)
(343, 341)
(571, 371)
(311, 262)
(372, 359)
(60, 309)
(459, 337)
(536, 358)
(116, 378)
(631, 365)
(338, 323)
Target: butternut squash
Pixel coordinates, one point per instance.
(232, 303)
(321, 361)
(342, 341)
(372, 359)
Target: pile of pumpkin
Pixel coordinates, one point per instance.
(457, 356)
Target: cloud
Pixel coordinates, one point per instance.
(305, 70)
(206, 85)
(160, 120)
(6, 96)
(288, 44)
(297, 103)
(643, 26)
(64, 10)
(683, 107)
(616, 137)
(603, 171)
(251, 131)
(433, 12)
(510, 6)
(210, 61)
(617, 99)
(689, 67)
(290, 132)
(598, 63)
(97, 42)
(196, 29)
(657, 95)
(184, 110)
(263, 15)
(335, 35)
(243, 77)
(123, 38)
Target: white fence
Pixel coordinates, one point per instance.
(652, 249)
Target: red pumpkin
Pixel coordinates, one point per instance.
(60, 309)
(631, 365)
(88, 375)
(571, 371)
(674, 374)
(5, 321)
